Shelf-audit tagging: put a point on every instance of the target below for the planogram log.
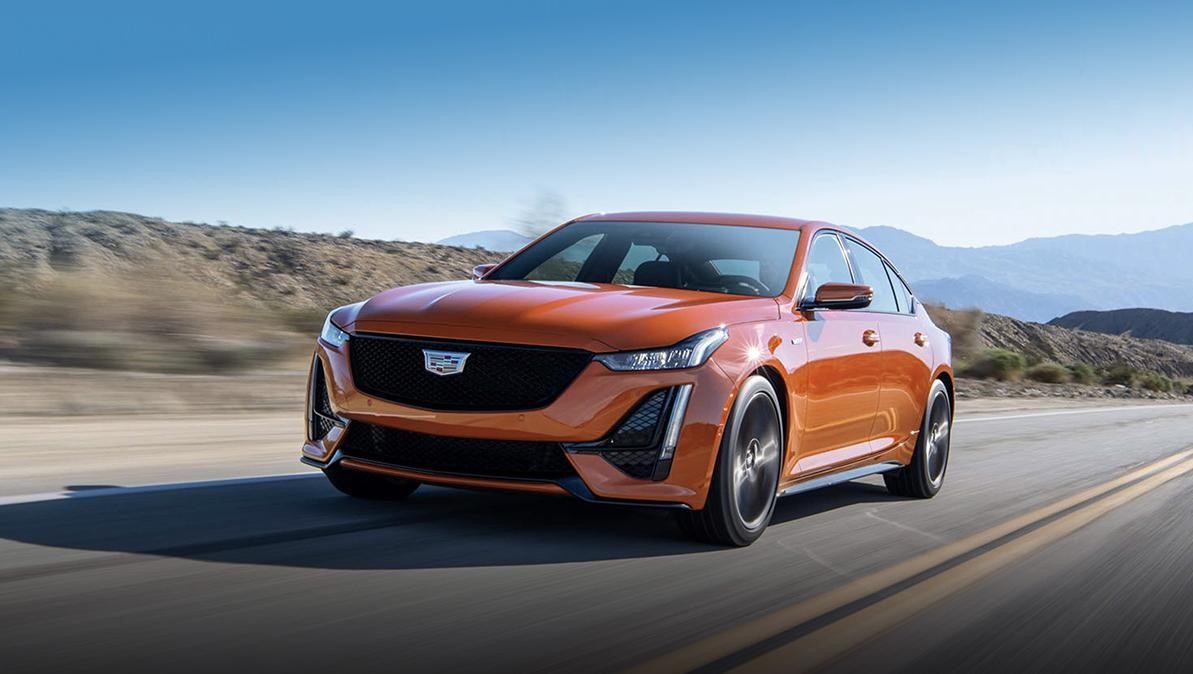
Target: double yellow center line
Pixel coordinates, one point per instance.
(759, 644)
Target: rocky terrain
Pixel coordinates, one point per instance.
(1052, 343)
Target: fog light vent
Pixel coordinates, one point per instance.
(634, 443)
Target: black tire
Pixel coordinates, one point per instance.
(738, 510)
(359, 484)
(923, 477)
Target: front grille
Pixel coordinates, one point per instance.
(495, 376)
(464, 456)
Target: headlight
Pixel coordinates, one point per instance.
(332, 334)
(690, 352)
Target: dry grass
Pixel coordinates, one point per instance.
(150, 323)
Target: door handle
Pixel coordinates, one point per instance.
(870, 337)
(921, 339)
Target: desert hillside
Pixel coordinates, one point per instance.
(1170, 326)
(974, 333)
(270, 268)
(127, 292)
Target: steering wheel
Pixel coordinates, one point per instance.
(755, 286)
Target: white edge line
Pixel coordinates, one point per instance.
(1087, 410)
(150, 488)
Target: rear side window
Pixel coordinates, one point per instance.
(871, 271)
(902, 294)
(826, 264)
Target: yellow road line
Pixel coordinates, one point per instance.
(732, 640)
(831, 641)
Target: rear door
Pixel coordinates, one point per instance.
(906, 354)
(844, 368)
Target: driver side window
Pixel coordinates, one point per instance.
(826, 264)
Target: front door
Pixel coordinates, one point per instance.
(844, 369)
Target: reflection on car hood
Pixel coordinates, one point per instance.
(597, 317)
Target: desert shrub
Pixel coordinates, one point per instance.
(1000, 364)
(1082, 373)
(1120, 373)
(963, 326)
(1049, 373)
(1156, 382)
(1189, 388)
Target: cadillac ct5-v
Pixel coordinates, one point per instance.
(703, 362)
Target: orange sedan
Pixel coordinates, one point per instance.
(702, 362)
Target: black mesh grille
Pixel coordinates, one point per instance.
(638, 430)
(465, 456)
(495, 376)
(637, 463)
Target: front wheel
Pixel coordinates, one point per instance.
(741, 498)
(359, 484)
(923, 477)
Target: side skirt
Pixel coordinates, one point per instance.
(838, 478)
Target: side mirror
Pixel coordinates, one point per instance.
(841, 296)
(479, 271)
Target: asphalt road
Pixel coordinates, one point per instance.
(1062, 540)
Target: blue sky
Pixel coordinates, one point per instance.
(969, 125)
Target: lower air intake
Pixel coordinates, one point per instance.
(506, 459)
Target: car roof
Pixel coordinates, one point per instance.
(696, 217)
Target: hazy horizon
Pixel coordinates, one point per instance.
(966, 125)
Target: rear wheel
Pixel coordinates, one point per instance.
(360, 484)
(741, 498)
(923, 477)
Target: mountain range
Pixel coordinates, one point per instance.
(1039, 279)
(497, 240)
(1035, 280)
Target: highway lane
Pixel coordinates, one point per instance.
(288, 575)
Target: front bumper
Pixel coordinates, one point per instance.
(589, 410)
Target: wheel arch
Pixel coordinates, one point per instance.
(946, 377)
(771, 374)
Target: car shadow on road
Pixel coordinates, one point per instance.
(304, 523)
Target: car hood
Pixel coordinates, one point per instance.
(597, 317)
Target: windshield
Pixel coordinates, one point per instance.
(712, 258)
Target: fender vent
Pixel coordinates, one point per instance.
(323, 418)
